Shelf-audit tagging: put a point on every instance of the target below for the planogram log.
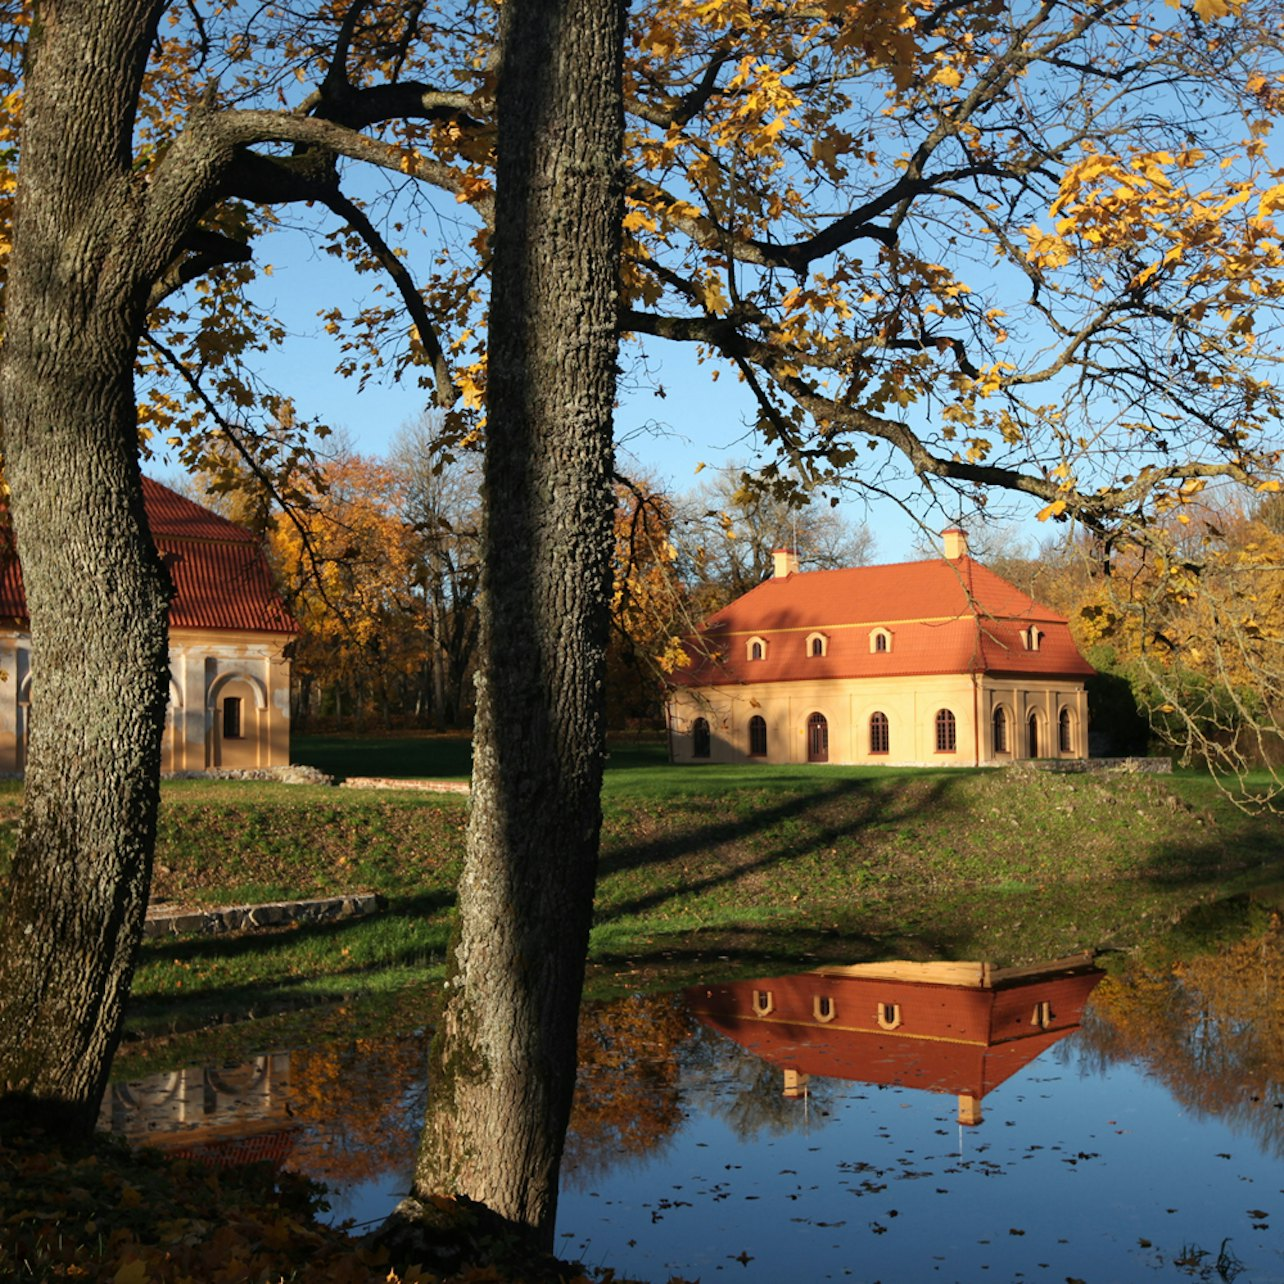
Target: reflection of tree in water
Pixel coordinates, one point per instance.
(626, 1092)
(363, 1101)
(747, 1093)
(1209, 1024)
(645, 1064)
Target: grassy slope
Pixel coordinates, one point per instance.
(773, 868)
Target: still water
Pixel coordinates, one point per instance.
(1124, 1126)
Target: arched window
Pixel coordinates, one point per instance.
(700, 738)
(758, 736)
(817, 738)
(1065, 731)
(880, 640)
(1031, 637)
(879, 739)
(1033, 735)
(756, 649)
(1000, 731)
(816, 644)
(946, 731)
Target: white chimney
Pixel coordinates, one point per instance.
(786, 562)
(955, 543)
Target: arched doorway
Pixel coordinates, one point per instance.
(1032, 747)
(817, 738)
(235, 715)
(700, 740)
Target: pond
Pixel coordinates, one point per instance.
(1068, 1123)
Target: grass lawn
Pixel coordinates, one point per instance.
(768, 868)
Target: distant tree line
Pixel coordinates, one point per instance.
(378, 560)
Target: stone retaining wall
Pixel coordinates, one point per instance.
(425, 786)
(166, 921)
(1138, 766)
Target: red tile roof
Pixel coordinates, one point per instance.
(943, 617)
(221, 578)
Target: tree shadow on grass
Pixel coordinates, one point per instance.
(238, 1000)
(1036, 910)
(875, 806)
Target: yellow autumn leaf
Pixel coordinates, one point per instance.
(947, 76)
(1054, 509)
(1046, 249)
(132, 1272)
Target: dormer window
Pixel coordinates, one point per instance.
(817, 644)
(879, 640)
(756, 649)
(889, 1015)
(1031, 637)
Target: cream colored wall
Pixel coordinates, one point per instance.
(910, 704)
(205, 668)
(15, 664)
(1019, 699)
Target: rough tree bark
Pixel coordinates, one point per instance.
(96, 591)
(503, 1065)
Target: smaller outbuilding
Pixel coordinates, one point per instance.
(931, 663)
(229, 633)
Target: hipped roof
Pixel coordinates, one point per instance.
(944, 616)
(220, 576)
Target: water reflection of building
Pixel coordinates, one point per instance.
(229, 1114)
(957, 1028)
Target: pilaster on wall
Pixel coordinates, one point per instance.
(187, 722)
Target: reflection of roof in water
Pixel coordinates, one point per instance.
(954, 1028)
(247, 1147)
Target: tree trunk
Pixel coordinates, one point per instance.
(502, 1070)
(96, 592)
(438, 644)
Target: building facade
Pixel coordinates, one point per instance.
(930, 663)
(229, 689)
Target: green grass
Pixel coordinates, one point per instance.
(765, 866)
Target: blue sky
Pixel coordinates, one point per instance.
(697, 422)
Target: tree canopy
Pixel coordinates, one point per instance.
(1016, 245)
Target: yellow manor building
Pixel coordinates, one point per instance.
(229, 687)
(930, 663)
